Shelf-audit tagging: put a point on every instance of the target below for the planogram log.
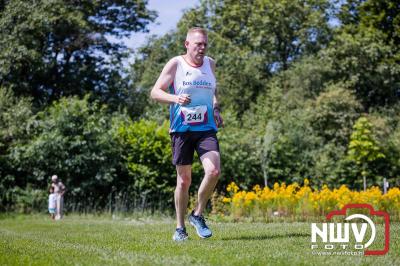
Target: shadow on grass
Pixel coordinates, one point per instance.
(266, 237)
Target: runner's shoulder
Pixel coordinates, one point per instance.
(172, 64)
(174, 61)
(212, 63)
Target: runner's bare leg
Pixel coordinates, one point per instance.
(211, 164)
(183, 181)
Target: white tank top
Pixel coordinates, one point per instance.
(200, 84)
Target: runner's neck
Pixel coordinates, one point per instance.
(192, 62)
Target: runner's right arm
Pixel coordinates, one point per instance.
(159, 91)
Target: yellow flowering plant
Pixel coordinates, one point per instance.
(302, 201)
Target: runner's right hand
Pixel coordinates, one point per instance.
(184, 99)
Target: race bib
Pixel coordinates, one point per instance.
(194, 115)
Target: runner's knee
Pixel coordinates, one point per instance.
(183, 183)
(213, 172)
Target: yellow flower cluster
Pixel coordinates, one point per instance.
(295, 200)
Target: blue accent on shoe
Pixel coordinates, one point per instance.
(200, 225)
(180, 235)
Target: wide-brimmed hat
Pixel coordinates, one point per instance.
(54, 177)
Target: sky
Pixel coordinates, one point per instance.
(169, 13)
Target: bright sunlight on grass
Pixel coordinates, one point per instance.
(91, 240)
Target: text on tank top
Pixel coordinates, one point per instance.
(200, 84)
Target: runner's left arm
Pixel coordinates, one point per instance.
(216, 107)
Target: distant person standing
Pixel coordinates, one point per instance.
(52, 203)
(59, 190)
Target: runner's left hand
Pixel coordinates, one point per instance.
(218, 119)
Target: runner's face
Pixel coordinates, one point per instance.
(196, 45)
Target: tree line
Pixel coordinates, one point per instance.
(309, 89)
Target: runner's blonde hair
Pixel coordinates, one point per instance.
(196, 29)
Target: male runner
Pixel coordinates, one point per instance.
(194, 119)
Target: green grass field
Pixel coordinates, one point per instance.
(91, 240)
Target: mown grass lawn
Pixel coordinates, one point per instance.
(91, 240)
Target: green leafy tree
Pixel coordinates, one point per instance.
(147, 156)
(363, 148)
(239, 154)
(15, 116)
(334, 112)
(55, 48)
(367, 64)
(365, 50)
(148, 64)
(332, 115)
(394, 152)
(287, 151)
(74, 139)
(280, 31)
(385, 123)
(250, 41)
(367, 15)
